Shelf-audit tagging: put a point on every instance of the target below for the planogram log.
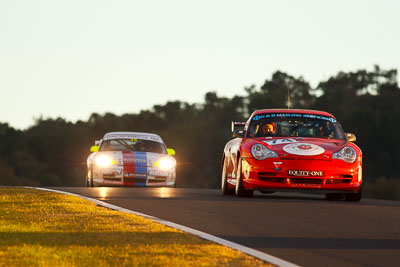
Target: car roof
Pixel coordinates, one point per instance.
(133, 135)
(303, 111)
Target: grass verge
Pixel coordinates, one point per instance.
(39, 228)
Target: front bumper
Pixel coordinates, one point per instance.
(150, 177)
(302, 174)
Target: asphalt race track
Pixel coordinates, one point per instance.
(302, 229)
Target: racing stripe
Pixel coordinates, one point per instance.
(140, 184)
(128, 163)
(134, 168)
(141, 164)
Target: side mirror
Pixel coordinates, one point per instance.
(237, 124)
(171, 151)
(238, 134)
(94, 149)
(350, 137)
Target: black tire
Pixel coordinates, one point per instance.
(224, 181)
(334, 196)
(353, 197)
(89, 179)
(240, 191)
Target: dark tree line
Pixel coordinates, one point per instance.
(53, 152)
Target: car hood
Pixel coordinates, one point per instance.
(301, 146)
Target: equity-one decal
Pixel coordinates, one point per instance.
(305, 173)
(303, 149)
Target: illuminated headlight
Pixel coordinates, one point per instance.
(260, 152)
(347, 154)
(166, 163)
(103, 161)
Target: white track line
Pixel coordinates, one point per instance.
(249, 251)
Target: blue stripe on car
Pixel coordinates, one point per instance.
(140, 162)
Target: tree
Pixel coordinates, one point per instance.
(274, 93)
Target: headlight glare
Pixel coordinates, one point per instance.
(347, 154)
(261, 152)
(165, 163)
(103, 161)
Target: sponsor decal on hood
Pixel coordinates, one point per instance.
(280, 141)
(302, 145)
(303, 149)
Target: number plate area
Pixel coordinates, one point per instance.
(305, 173)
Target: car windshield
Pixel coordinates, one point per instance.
(294, 125)
(133, 145)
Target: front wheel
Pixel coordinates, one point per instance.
(224, 181)
(240, 190)
(89, 179)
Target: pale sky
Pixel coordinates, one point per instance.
(72, 58)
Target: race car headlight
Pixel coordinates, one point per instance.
(347, 154)
(103, 161)
(260, 152)
(165, 163)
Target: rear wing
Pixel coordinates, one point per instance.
(237, 124)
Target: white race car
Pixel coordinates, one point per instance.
(131, 159)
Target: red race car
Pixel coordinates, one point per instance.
(292, 150)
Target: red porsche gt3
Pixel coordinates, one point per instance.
(292, 150)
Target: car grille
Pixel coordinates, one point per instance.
(158, 179)
(110, 176)
(131, 180)
(306, 181)
(155, 179)
(337, 181)
(111, 179)
(271, 177)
